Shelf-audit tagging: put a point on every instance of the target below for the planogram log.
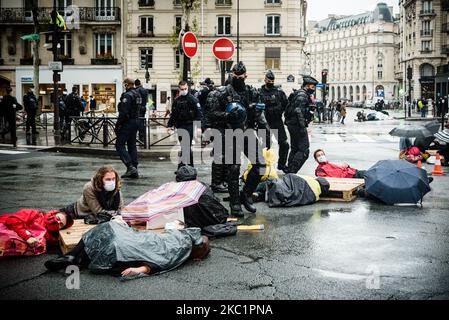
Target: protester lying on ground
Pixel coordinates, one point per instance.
(361, 116)
(327, 169)
(409, 153)
(209, 210)
(270, 172)
(292, 190)
(117, 249)
(101, 199)
(29, 231)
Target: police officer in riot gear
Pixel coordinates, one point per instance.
(126, 128)
(143, 107)
(185, 110)
(237, 107)
(298, 115)
(275, 104)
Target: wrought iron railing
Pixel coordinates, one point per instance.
(85, 14)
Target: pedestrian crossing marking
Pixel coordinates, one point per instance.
(12, 152)
(334, 138)
(363, 138)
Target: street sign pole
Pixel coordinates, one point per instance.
(56, 124)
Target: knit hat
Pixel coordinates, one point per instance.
(51, 223)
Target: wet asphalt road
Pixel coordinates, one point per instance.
(330, 250)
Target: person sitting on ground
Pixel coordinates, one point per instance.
(101, 199)
(29, 231)
(327, 169)
(209, 210)
(117, 249)
(411, 152)
(361, 116)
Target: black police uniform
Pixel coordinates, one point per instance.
(297, 118)
(248, 97)
(142, 110)
(218, 174)
(73, 108)
(185, 110)
(31, 105)
(126, 129)
(9, 107)
(275, 104)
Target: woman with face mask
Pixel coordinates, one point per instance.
(101, 199)
(327, 169)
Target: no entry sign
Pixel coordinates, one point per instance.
(223, 49)
(189, 44)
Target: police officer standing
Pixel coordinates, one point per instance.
(297, 118)
(185, 110)
(126, 128)
(275, 104)
(143, 108)
(31, 105)
(236, 108)
(9, 107)
(73, 108)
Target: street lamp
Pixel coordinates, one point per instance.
(409, 77)
(238, 31)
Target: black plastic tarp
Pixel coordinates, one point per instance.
(112, 242)
(289, 191)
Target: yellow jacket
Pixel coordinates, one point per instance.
(270, 170)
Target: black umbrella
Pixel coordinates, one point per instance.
(396, 181)
(411, 131)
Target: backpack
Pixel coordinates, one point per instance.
(220, 230)
(185, 109)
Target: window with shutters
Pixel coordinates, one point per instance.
(223, 25)
(273, 58)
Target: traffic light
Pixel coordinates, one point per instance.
(409, 73)
(324, 76)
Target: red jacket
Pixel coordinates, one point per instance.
(20, 221)
(333, 171)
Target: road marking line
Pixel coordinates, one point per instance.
(363, 138)
(12, 152)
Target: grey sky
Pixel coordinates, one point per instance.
(319, 9)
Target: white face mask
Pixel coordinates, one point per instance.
(109, 185)
(183, 92)
(322, 159)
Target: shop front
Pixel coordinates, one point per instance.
(104, 84)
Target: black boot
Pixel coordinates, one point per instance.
(60, 263)
(247, 202)
(217, 178)
(236, 210)
(131, 172)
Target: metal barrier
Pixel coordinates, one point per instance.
(91, 130)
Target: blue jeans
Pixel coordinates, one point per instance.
(126, 137)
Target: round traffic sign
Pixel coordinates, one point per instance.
(189, 44)
(223, 49)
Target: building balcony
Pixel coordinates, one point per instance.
(426, 51)
(427, 13)
(426, 33)
(223, 3)
(86, 15)
(445, 27)
(103, 61)
(145, 34)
